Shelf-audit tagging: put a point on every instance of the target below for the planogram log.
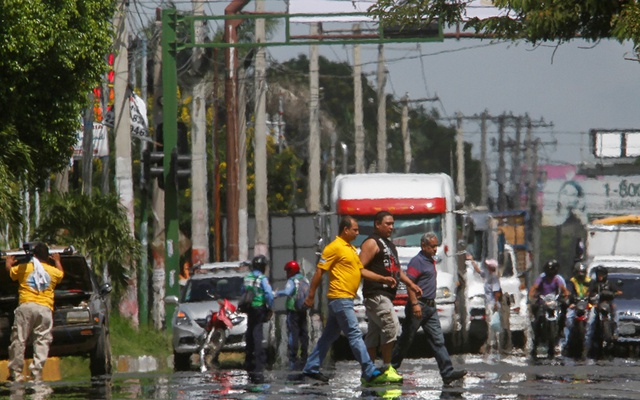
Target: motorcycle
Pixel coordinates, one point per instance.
(604, 326)
(546, 324)
(576, 340)
(219, 323)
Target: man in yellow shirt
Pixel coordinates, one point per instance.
(34, 315)
(340, 259)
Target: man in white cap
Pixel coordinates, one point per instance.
(34, 315)
(492, 291)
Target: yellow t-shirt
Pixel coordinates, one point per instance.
(28, 292)
(341, 260)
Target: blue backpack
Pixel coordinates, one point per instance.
(302, 291)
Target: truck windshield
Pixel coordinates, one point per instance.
(407, 229)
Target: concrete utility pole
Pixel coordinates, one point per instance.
(516, 173)
(358, 117)
(484, 166)
(406, 136)
(460, 157)
(243, 202)
(87, 147)
(157, 194)
(502, 197)
(143, 274)
(382, 112)
(313, 199)
(124, 177)
(199, 204)
(260, 154)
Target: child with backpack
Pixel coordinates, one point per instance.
(296, 290)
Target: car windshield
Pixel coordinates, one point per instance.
(208, 289)
(407, 230)
(630, 287)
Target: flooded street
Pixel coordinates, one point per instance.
(507, 377)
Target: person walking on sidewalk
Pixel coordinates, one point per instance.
(340, 259)
(379, 255)
(297, 327)
(422, 312)
(34, 315)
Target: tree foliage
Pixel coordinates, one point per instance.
(532, 21)
(52, 53)
(97, 226)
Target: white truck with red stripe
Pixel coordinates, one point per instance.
(420, 203)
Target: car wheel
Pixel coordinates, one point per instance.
(181, 361)
(100, 356)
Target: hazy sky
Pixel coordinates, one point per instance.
(580, 87)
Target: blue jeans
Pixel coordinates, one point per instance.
(341, 318)
(298, 338)
(433, 333)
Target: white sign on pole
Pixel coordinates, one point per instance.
(100, 141)
(139, 120)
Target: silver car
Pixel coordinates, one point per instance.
(198, 301)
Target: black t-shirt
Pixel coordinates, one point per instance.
(384, 263)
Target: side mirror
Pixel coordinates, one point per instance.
(106, 289)
(619, 283)
(172, 299)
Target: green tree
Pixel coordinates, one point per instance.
(532, 21)
(51, 55)
(97, 226)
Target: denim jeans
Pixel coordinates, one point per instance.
(298, 338)
(341, 318)
(433, 335)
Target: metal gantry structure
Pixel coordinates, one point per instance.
(172, 20)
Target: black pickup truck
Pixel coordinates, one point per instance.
(81, 310)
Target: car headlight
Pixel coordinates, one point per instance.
(182, 318)
(79, 317)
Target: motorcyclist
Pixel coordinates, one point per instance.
(578, 289)
(600, 289)
(548, 282)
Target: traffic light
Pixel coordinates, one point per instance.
(154, 166)
(180, 169)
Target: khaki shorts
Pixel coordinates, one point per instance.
(383, 325)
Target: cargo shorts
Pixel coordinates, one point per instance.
(383, 326)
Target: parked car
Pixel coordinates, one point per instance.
(80, 316)
(209, 283)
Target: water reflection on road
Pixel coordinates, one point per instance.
(507, 377)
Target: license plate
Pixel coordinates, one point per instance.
(626, 328)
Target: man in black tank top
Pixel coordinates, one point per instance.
(379, 255)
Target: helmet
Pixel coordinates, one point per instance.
(292, 267)
(601, 271)
(260, 263)
(580, 270)
(551, 268)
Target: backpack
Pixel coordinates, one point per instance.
(302, 291)
(244, 304)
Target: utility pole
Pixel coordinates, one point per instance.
(124, 175)
(502, 198)
(460, 157)
(260, 153)
(199, 205)
(484, 167)
(313, 199)
(157, 194)
(406, 136)
(358, 117)
(87, 147)
(516, 173)
(243, 202)
(143, 274)
(382, 112)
